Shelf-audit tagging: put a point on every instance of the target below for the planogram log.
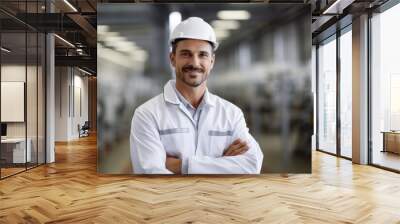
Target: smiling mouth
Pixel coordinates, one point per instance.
(192, 72)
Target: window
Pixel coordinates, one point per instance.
(346, 92)
(385, 88)
(327, 96)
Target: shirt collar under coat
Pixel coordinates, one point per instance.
(171, 96)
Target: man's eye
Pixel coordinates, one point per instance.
(204, 55)
(185, 54)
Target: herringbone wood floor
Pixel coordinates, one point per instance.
(70, 191)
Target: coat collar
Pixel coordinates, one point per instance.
(170, 95)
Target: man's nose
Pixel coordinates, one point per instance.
(195, 61)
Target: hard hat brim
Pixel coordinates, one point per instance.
(214, 45)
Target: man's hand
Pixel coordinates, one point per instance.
(173, 164)
(237, 147)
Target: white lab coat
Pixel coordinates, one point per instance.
(163, 126)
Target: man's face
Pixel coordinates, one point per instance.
(193, 61)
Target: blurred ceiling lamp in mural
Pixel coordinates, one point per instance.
(174, 19)
(102, 36)
(112, 40)
(139, 55)
(114, 57)
(125, 46)
(221, 34)
(226, 24)
(233, 14)
(102, 29)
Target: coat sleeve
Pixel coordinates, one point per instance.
(148, 155)
(247, 163)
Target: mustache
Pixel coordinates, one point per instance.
(191, 68)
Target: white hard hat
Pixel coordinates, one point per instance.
(194, 28)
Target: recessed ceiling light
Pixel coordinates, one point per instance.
(70, 5)
(337, 7)
(84, 71)
(64, 40)
(5, 50)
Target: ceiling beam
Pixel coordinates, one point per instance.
(75, 61)
(86, 26)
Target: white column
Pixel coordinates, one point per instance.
(50, 93)
(360, 90)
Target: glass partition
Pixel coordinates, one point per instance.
(13, 108)
(41, 109)
(31, 100)
(22, 89)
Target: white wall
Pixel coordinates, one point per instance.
(70, 83)
(17, 73)
(14, 73)
(33, 125)
(79, 117)
(61, 103)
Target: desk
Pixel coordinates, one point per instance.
(391, 141)
(15, 148)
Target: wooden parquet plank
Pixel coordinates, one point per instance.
(70, 191)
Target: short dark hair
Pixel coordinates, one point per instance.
(175, 44)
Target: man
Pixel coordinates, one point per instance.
(186, 129)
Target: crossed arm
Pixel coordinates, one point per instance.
(148, 155)
(238, 147)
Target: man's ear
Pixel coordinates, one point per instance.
(212, 61)
(172, 58)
